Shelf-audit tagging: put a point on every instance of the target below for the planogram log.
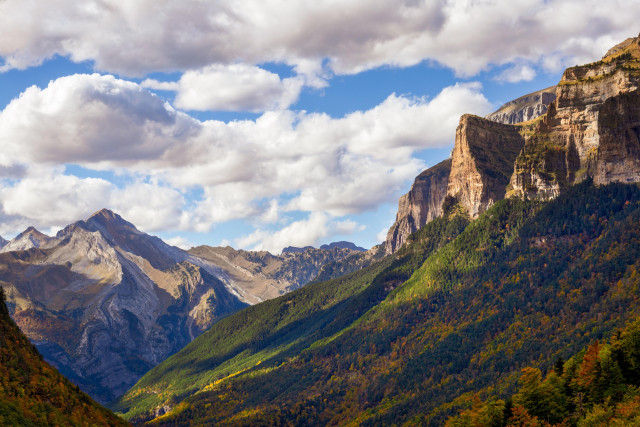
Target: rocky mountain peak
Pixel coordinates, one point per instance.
(420, 205)
(29, 238)
(590, 131)
(525, 108)
(106, 217)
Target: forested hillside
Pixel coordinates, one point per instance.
(32, 393)
(598, 386)
(458, 314)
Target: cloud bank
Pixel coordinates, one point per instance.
(351, 36)
(283, 161)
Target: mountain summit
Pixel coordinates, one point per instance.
(104, 302)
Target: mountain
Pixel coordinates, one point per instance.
(462, 307)
(525, 108)
(507, 276)
(3, 242)
(343, 245)
(263, 276)
(589, 130)
(104, 302)
(33, 393)
(295, 249)
(421, 204)
(30, 238)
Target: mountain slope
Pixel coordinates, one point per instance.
(262, 276)
(33, 393)
(597, 386)
(521, 285)
(104, 302)
(272, 332)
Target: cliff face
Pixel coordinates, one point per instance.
(525, 108)
(592, 130)
(420, 205)
(482, 162)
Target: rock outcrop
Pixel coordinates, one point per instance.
(525, 108)
(482, 162)
(591, 130)
(420, 205)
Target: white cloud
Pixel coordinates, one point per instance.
(91, 119)
(236, 87)
(51, 200)
(348, 37)
(517, 73)
(283, 161)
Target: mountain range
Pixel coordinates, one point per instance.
(104, 302)
(520, 249)
(519, 252)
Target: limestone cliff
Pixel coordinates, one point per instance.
(420, 205)
(482, 162)
(525, 108)
(591, 130)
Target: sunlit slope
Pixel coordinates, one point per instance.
(523, 284)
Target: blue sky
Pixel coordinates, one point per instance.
(261, 124)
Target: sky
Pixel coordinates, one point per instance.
(261, 124)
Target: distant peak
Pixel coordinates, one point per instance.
(31, 230)
(105, 213)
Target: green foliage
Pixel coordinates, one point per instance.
(455, 317)
(593, 389)
(32, 393)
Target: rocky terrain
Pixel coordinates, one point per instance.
(420, 205)
(592, 130)
(525, 108)
(105, 302)
(586, 127)
(263, 276)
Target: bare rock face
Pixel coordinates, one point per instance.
(29, 238)
(591, 130)
(104, 302)
(482, 162)
(421, 204)
(263, 276)
(525, 108)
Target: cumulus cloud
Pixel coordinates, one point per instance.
(237, 87)
(349, 37)
(281, 162)
(90, 119)
(48, 199)
(517, 73)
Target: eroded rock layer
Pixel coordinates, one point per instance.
(591, 131)
(482, 162)
(420, 205)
